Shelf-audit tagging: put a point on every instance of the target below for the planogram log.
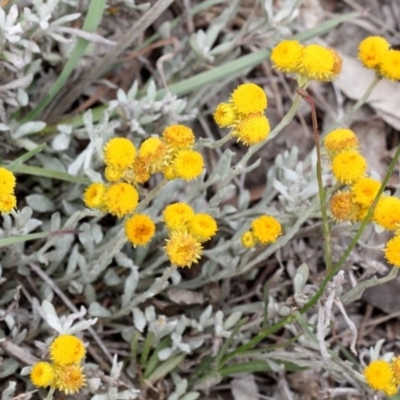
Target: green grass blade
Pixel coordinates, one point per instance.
(28, 155)
(23, 238)
(166, 367)
(92, 21)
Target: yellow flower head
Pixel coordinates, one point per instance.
(343, 207)
(7, 181)
(140, 173)
(286, 55)
(224, 115)
(340, 140)
(372, 50)
(113, 174)
(348, 166)
(387, 213)
(67, 349)
(203, 227)
(139, 229)
(69, 378)
(249, 98)
(365, 190)
(42, 374)
(389, 68)
(183, 249)
(94, 195)
(248, 240)
(121, 199)
(169, 172)
(119, 152)
(252, 130)
(188, 164)
(392, 254)
(7, 202)
(153, 150)
(177, 216)
(266, 229)
(395, 364)
(379, 375)
(178, 137)
(319, 63)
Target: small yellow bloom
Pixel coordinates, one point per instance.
(365, 190)
(177, 216)
(248, 240)
(7, 202)
(387, 213)
(67, 349)
(319, 63)
(188, 164)
(153, 150)
(348, 166)
(139, 229)
(140, 171)
(340, 140)
(183, 249)
(113, 174)
(224, 115)
(179, 137)
(372, 50)
(286, 55)
(42, 374)
(119, 152)
(7, 181)
(395, 364)
(266, 229)
(379, 375)
(249, 98)
(389, 68)
(392, 254)
(252, 130)
(169, 172)
(121, 199)
(203, 227)
(69, 378)
(343, 207)
(94, 195)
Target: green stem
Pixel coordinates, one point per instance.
(151, 195)
(50, 394)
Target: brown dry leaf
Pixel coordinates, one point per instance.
(183, 296)
(385, 99)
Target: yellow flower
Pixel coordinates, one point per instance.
(252, 130)
(372, 50)
(248, 240)
(183, 249)
(177, 216)
(379, 375)
(286, 55)
(389, 68)
(67, 349)
(365, 190)
(113, 174)
(139, 229)
(266, 229)
(169, 172)
(121, 199)
(141, 171)
(392, 254)
(119, 152)
(342, 207)
(224, 115)
(7, 181)
(348, 166)
(249, 98)
(178, 137)
(319, 63)
(340, 140)
(188, 164)
(387, 213)
(7, 202)
(153, 151)
(69, 378)
(203, 227)
(94, 195)
(395, 364)
(42, 374)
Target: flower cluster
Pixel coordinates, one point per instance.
(64, 372)
(375, 53)
(8, 201)
(187, 231)
(311, 62)
(264, 230)
(384, 376)
(244, 113)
